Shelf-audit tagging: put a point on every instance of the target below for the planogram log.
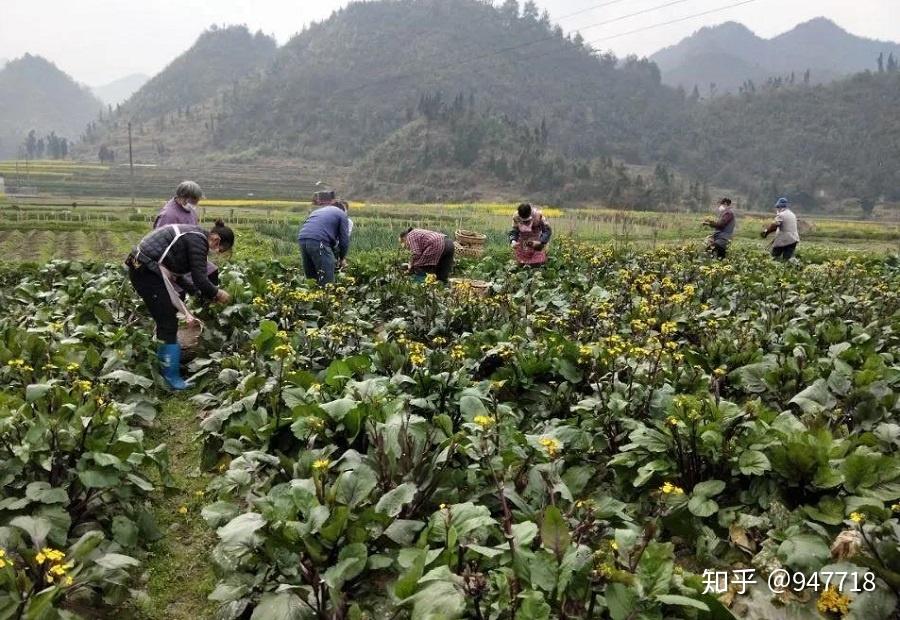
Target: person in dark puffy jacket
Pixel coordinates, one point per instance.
(161, 257)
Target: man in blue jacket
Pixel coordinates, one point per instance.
(324, 242)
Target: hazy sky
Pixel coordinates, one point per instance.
(97, 41)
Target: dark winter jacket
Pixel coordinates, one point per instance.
(187, 256)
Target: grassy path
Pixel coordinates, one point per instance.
(178, 574)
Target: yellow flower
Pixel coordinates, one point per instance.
(431, 279)
(259, 302)
(73, 367)
(831, 600)
(672, 421)
(613, 545)
(551, 445)
(199, 493)
(668, 327)
(444, 507)
(896, 507)
(283, 351)
(457, 352)
(670, 489)
(857, 517)
(483, 421)
(82, 385)
(3, 563)
(720, 372)
(321, 464)
(182, 510)
(69, 580)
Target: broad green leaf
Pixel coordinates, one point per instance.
(281, 606)
(555, 532)
(351, 562)
(129, 378)
(655, 568)
(116, 561)
(702, 506)
(471, 406)
(392, 502)
(337, 409)
(99, 478)
(816, 398)
(353, 486)
(439, 600)
(682, 601)
(36, 528)
(753, 463)
(806, 552)
(242, 530)
(219, 513)
(709, 488)
(125, 531)
(36, 391)
(621, 600)
(533, 606)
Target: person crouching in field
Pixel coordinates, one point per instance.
(182, 209)
(324, 241)
(529, 236)
(723, 226)
(787, 234)
(161, 256)
(431, 252)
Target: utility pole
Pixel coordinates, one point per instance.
(130, 163)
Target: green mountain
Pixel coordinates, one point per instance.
(342, 86)
(822, 143)
(220, 59)
(36, 95)
(730, 55)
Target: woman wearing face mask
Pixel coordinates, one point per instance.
(161, 257)
(182, 209)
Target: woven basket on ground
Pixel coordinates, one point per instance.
(477, 287)
(468, 252)
(470, 239)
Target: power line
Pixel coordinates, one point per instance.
(674, 21)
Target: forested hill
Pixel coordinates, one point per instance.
(464, 98)
(728, 57)
(821, 143)
(220, 59)
(342, 86)
(36, 95)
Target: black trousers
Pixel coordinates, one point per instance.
(152, 289)
(445, 263)
(785, 252)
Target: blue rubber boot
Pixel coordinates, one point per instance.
(170, 363)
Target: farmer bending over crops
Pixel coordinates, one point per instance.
(160, 257)
(529, 236)
(724, 225)
(431, 252)
(324, 241)
(182, 209)
(788, 236)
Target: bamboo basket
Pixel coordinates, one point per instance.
(470, 239)
(189, 339)
(477, 287)
(466, 251)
